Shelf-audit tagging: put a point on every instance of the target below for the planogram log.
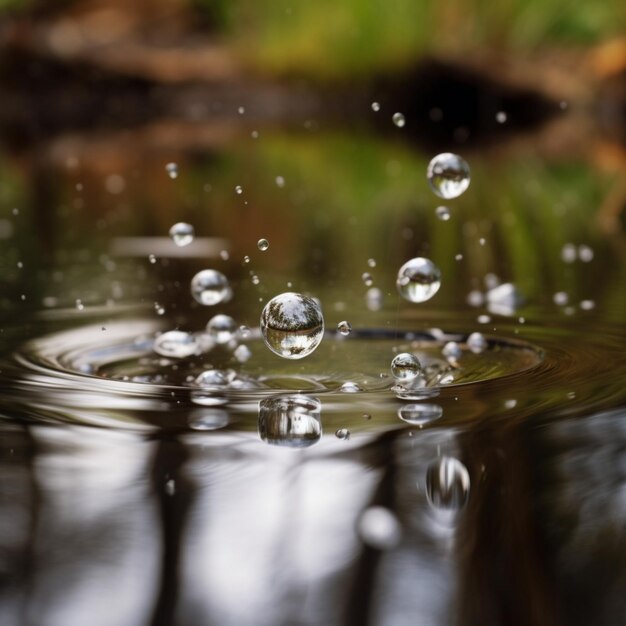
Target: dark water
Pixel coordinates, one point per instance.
(129, 498)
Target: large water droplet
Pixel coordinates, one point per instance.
(420, 414)
(448, 175)
(182, 234)
(379, 528)
(210, 287)
(447, 484)
(263, 244)
(292, 325)
(221, 328)
(418, 280)
(176, 343)
(405, 367)
(290, 421)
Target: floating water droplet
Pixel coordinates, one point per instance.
(292, 325)
(448, 175)
(176, 344)
(79, 305)
(399, 120)
(159, 309)
(501, 117)
(246, 259)
(342, 433)
(452, 351)
(568, 253)
(585, 253)
(374, 299)
(152, 259)
(504, 299)
(290, 421)
(371, 262)
(280, 181)
(560, 298)
(379, 528)
(182, 234)
(376, 106)
(255, 279)
(447, 484)
(587, 305)
(242, 353)
(210, 287)
(405, 367)
(349, 387)
(212, 378)
(366, 277)
(419, 414)
(221, 328)
(418, 280)
(344, 328)
(239, 190)
(263, 244)
(475, 298)
(477, 343)
(443, 213)
(172, 170)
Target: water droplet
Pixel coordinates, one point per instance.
(371, 262)
(221, 328)
(419, 414)
(224, 255)
(160, 310)
(447, 484)
(418, 280)
(374, 299)
(448, 175)
(79, 305)
(475, 298)
(170, 487)
(585, 253)
(290, 421)
(208, 419)
(452, 351)
(241, 110)
(242, 353)
(212, 378)
(246, 259)
(210, 287)
(172, 170)
(342, 433)
(376, 106)
(292, 325)
(501, 117)
(349, 387)
(344, 328)
(263, 244)
(379, 528)
(443, 213)
(568, 253)
(244, 331)
(176, 344)
(560, 298)
(366, 277)
(239, 190)
(182, 234)
(152, 259)
(255, 279)
(399, 120)
(477, 343)
(405, 367)
(280, 181)
(587, 305)
(504, 299)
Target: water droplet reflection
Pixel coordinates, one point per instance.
(447, 484)
(420, 414)
(290, 421)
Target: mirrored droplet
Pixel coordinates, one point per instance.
(504, 299)
(448, 175)
(375, 107)
(207, 419)
(212, 378)
(176, 344)
(477, 343)
(292, 325)
(242, 353)
(172, 170)
(238, 190)
(342, 433)
(344, 328)
(443, 213)
(420, 414)
(379, 528)
(405, 367)
(349, 387)
(210, 287)
(221, 328)
(447, 484)
(399, 120)
(182, 234)
(374, 299)
(366, 277)
(290, 421)
(452, 351)
(263, 244)
(418, 280)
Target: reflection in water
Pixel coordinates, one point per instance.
(420, 414)
(447, 484)
(290, 421)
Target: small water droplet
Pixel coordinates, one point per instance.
(483, 319)
(224, 255)
(221, 328)
(246, 259)
(208, 419)
(371, 262)
(452, 351)
(344, 328)
(374, 299)
(587, 305)
(349, 387)
(280, 181)
(79, 305)
(443, 213)
(152, 259)
(159, 309)
(263, 244)
(585, 253)
(210, 287)
(239, 190)
(399, 120)
(376, 106)
(448, 175)
(170, 487)
(182, 234)
(244, 331)
(241, 110)
(418, 280)
(420, 414)
(176, 344)
(366, 277)
(292, 325)
(172, 170)
(342, 433)
(560, 298)
(475, 298)
(379, 528)
(501, 117)
(568, 253)
(242, 353)
(477, 343)
(405, 367)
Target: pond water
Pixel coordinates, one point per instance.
(309, 491)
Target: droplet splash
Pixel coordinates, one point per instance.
(448, 175)
(418, 280)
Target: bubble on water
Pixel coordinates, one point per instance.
(238, 190)
(221, 328)
(399, 120)
(420, 414)
(292, 325)
(263, 244)
(374, 299)
(448, 175)
(443, 213)
(207, 419)
(504, 299)
(477, 343)
(290, 421)
(210, 287)
(379, 528)
(405, 367)
(560, 298)
(349, 387)
(212, 378)
(366, 277)
(585, 253)
(568, 253)
(172, 170)
(452, 351)
(182, 234)
(342, 433)
(242, 353)
(418, 280)
(344, 328)
(376, 106)
(280, 181)
(176, 344)
(447, 484)
(501, 117)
